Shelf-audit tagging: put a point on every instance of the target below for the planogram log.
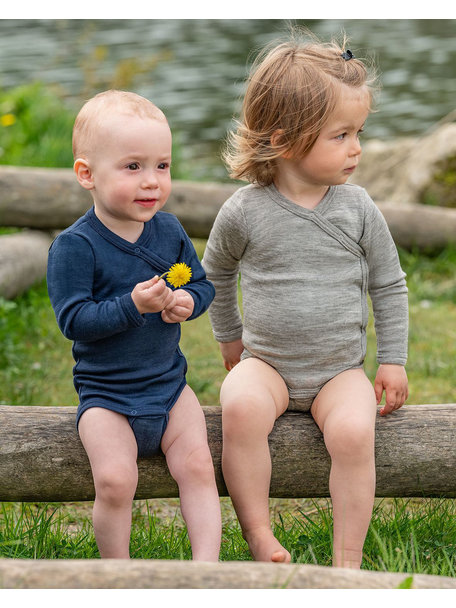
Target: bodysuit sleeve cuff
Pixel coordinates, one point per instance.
(131, 312)
(231, 336)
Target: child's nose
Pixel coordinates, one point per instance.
(356, 147)
(149, 180)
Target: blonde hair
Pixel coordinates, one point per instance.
(291, 92)
(94, 111)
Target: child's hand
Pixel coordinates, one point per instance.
(393, 380)
(181, 309)
(152, 296)
(231, 353)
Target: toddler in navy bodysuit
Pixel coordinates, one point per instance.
(124, 321)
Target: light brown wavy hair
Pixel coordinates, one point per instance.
(291, 92)
(93, 112)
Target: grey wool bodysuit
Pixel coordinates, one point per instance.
(305, 277)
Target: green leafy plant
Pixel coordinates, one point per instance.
(35, 127)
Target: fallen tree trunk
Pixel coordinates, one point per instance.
(422, 226)
(174, 574)
(52, 199)
(23, 261)
(42, 458)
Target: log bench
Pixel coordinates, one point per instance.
(42, 459)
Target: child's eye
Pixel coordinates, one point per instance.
(341, 136)
(133, 166)
(163, 166)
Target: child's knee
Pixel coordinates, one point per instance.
(350, 440)
(196, 467)
(241, 415)
(116, 486)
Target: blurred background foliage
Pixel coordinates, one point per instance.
(36, 126)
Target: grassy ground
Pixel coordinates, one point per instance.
(416, 536)
(405, 535)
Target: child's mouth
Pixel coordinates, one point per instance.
(146, 202)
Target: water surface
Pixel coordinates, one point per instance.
(194, 69)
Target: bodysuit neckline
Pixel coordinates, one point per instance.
(285, 202)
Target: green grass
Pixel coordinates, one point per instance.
(404, 536)
(414, 536)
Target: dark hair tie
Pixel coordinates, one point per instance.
(347, 55)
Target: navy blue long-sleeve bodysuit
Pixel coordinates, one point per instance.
(124, 361)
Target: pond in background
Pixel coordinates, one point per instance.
(194, 69)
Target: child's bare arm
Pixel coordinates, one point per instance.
(152, 296)
(393, 380)
(231, 353)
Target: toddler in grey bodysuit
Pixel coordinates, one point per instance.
(309, 249)
(317, 266)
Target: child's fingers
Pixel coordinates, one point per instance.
(394, 400)
(183, 298)
(167, 316)
(176, 314)
(378, 389)
(170, 316)
(229, 364)
(149, 283)
(390, 405)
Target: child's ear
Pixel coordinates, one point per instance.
(83, 173)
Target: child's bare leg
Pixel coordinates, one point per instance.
(190, 463)
(111, 447)
(253, 396)
(345, 410)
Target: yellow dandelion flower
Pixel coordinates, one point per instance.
(179, 274)
(7, 120)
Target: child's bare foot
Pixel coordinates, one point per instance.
(264, 546)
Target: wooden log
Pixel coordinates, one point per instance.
(40, 198)
(42, 459)
(175, 574)
(52, 199)
(422, 226)
(23, 261)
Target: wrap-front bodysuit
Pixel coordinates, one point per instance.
(125, 361)
(305, 277)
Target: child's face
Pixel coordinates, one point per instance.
(130, 165)
(337, 150)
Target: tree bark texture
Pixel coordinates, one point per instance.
(174, 574)
(42, 458)
(50, 199)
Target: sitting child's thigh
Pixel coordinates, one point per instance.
(254, 380)
(186, 420)
(350, 393)
(107, 437)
